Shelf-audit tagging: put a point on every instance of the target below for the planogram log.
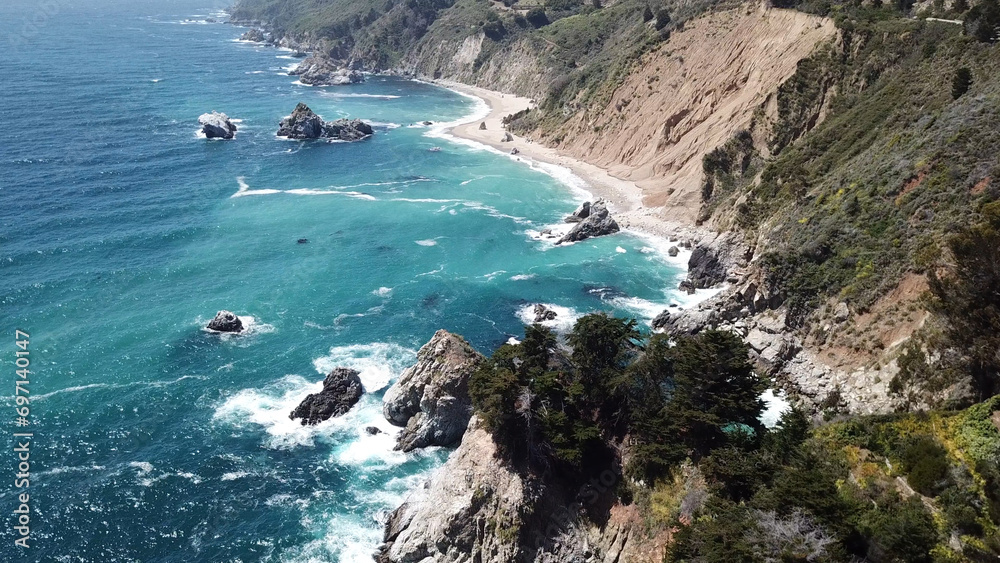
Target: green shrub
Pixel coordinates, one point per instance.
(925, 463)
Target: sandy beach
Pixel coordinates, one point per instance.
(624, 197)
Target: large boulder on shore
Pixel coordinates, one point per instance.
(321, 71)
(225, 321)
(303, 123)
(705, 269)
(597, 223)
(342, 389)
(431, 398)
(217, 125)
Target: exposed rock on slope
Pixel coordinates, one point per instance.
(304, 124)
(431, 398)
(689, 97)
(478, 509)
(217, 125)
(342, 389)
(321, 71)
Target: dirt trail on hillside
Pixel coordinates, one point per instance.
(689, 97)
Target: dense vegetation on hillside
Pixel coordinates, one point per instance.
(584, 46)
(682, 418)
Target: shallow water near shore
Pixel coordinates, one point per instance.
(124, 232)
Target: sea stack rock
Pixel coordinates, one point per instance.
(321, 71)
(598, 223)
(543, 313)
(255, 35)
(342, 389)
(304, 124)
(217, 125)
(226, 321)
(431, 399)
(580, 214)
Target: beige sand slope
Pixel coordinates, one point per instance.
(643, 152)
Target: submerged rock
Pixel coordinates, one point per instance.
(217, 125)
(598, 223)
(431, 398)
(372, 430)
(321, 71)
(304, 124)
(342, 389)
(226, 321)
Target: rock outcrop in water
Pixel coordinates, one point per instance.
(321, 71)
(217, 125)
(303, 123)
(598, 222)
(255, 35)
(225, 321)
(543, 313)
(342, 389)
(431, 399)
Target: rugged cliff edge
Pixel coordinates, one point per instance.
(431, 398)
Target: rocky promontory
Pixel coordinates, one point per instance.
(592, 220)
(320, 71)
(217, 125)
(303, 123)
(431, 398)
(342, 389)
(255, 35)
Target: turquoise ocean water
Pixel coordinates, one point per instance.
(123, 233)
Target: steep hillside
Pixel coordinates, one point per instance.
(686, 98)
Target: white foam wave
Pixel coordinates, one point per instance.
(426, 242)
(522, 277)
(382, 291)
(775, 405)
(620, 250)
(116, 386)
(327, 94)
(379, 363)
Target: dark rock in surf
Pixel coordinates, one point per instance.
(217, 125)
(226, 321)
(598, 223)
(543, 313)
(342, 389)
(304, 124)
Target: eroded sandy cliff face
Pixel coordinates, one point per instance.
(690, 96)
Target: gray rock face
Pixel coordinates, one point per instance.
(704, 268)
(597, 223)
(342, 389)
(580, 214)
(321, 71)
(226, 321)
(304, 124)
(254, 35)
(431, 398)
(543, 313)
(217, 125)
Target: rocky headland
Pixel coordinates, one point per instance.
(321, 71)
(431, 398)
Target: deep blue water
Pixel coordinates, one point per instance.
(121, 237)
